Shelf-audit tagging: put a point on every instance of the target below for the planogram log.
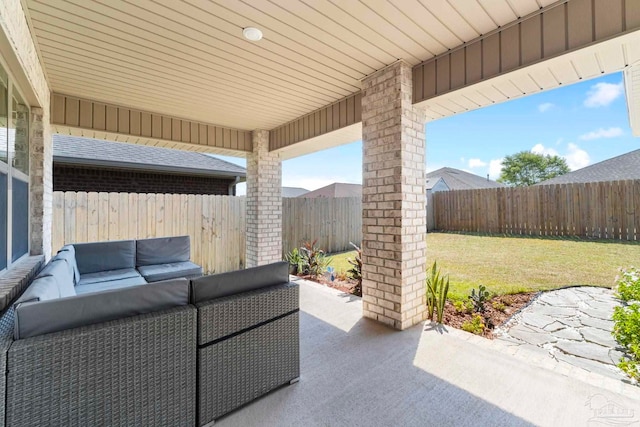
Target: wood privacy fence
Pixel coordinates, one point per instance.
(216, 224)
(604, 210)
(333, 221)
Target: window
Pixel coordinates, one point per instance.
(14, 173)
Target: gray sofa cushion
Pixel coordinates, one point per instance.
(103, 256)
(155, 273)
(54, 281)
(163, 250)
(220, 285)
(104, 276)
(41, 289)
(68, 253)
(111, 284)
(37, 318)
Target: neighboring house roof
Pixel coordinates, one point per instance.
(293, 191)
(337, 189)
(625, 166)
(433, 181)
(87, 151)
(457, 179)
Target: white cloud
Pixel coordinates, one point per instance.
(541, 149)
(602, 133)
(576, 157)
(476, 163)
(495, 167)
(603, 94)
(545, 107)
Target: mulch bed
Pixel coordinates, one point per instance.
(345, 286)
(493, 318)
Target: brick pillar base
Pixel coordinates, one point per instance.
(393, 200)
(264, 203)
(41, 182)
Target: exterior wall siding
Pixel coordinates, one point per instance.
(550, 32)
(92, 179)
(97, 116)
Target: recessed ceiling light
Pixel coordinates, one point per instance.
(251, 33)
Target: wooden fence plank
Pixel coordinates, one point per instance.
(607, 210)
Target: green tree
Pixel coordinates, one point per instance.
(526, 168)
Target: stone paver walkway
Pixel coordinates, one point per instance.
(571, 325)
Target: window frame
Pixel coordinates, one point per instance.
(13, 172)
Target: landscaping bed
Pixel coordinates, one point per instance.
(498, 310)
(344, 285)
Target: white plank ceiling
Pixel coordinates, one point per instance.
(187, 58)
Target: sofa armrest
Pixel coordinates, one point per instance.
(234, 314)
(135, 371)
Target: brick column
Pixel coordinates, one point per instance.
(393, 199)
(264, 203)
(41, 185)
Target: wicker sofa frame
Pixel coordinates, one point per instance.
(186, 366)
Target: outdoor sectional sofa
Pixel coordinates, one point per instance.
(89, 343)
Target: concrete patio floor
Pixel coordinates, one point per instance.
(356, 372)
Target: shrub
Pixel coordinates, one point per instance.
(475, 325)
(497, 305)
(296, 261)
(356, 270)
(463, 306)
(626, 328)
(437, 290)
(316, 262)
(628, 285)
(479, 298)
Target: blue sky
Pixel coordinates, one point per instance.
(585, 122)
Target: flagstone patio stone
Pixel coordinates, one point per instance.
(573, 326)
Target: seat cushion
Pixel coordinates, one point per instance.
(37, 318)
(172, 270)
(105, 276)
(111, 284)
(163, 250)
(104, 256)
(224, 284)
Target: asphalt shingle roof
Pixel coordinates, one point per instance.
(337, 189)
(88, 151)
(625, 166)
(457, 179)
(293, 191)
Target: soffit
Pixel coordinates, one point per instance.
(188, 59)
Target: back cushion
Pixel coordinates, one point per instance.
(59, 270)
(163, 250)
(68, 254)
(224, 284)
(41, 289)
(103, 256)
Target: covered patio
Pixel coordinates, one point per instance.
(306, 76)
(357, 372)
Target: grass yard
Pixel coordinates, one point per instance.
(518, 264)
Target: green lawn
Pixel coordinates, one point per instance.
(512, 264)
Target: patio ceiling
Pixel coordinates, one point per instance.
(188, 59)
